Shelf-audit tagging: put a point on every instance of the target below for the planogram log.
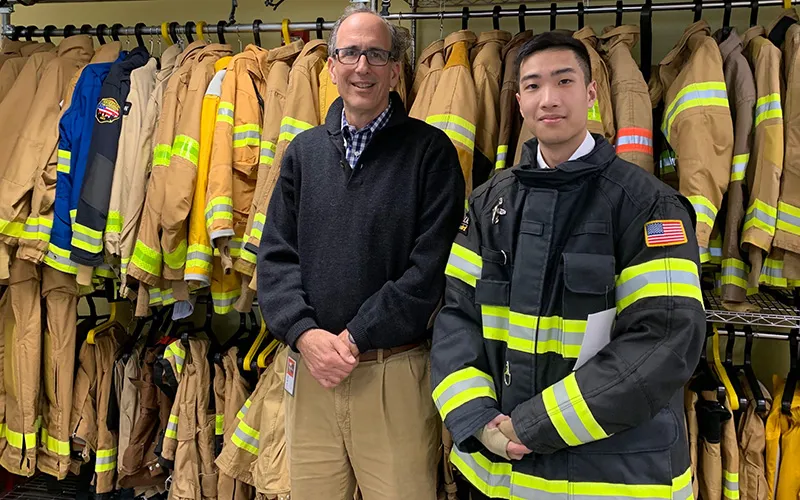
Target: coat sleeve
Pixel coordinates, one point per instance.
(283, 301)
(655, 343)
(401, 309)
(464, 390)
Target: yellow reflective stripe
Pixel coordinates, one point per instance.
(105, 460)
(246, 438)
(16, 439)
(268, 150)
(177, 258)
(172, 427)
(114, 222)
(667, 162)
(244, 409)
(502, 155)
(59, 258)
(734, 272)
(147, 259)
(258, 226)
(187, 148)
(570, 414)
(670, 277)
(223, 301)
(290, 127)
(198, 259)
(594, 113)
(175, 350)
(768, 107)
(219, 208)
(219, 425)
(691, 96)
(456, 127)
(64, 161)
(86, 238)
(161, 155)
(225, 113)
(56, 446)
(730, 484)
(248, 256)
(246, 135)
(705, 210)
(772, 273)
(10, 228)
(761, 216)
(739, 167)
(788, 218)
(464, 264)
(682, 486)
(37, 228)
(529, 334)
(461, 387)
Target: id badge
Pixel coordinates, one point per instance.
(291, 373)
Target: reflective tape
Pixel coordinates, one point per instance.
(682, 487)
(772, 273)
(105, 460)
(172, 427)
(502, 154)
(219, 208)
(788, 218)
(594, 113)
(11, 228)
(147, 259)
(225, 113)
(104, 271)
(730, 485)
(634, 140)
(114, 222)
(17, 439)
(219, 425)
(258, 226)
(290, 127)
(244, 409)
(61, 448)
(86, 238)
(739, 167)
(457, 129)
(187, 148)
(670, 277)
(246, 135)
(760, 216)
(59, 259)
(768, 107)
(37, 228)
(199, 263)
(177, 258)
(667, 163)
(176, 351)
(248, 256)
(246, 438)
(267, 152)
(692, 96)
(464, 264)
(570, 414)
(529, 334)
(705, 210)
(235, 245)
(161, 155)
(224, 301)
(461, 387)
(64, 161)
(734, 272)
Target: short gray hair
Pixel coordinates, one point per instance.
(400, 37)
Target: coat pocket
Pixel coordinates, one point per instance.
(588, 284)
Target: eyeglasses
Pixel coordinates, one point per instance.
(375, 57)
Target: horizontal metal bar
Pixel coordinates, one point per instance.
(759, 335)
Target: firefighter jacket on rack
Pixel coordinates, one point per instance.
(691, 84)
(502, 346)
(510, 118)
(12, 68)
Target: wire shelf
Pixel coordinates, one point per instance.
(435, 4)
(774, 311)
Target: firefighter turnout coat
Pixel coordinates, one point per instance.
(539, 251)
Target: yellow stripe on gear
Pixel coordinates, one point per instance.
(61, 448)
(161, 155)
(64, 161)
(187, 148)
(464, 264)
(692, 96)
(461, 387)
(570, 414)
(670, 277)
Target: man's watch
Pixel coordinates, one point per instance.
(350, 337)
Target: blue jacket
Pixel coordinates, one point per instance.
(75, 133)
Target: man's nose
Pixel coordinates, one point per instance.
(549, 97)
(362, 66)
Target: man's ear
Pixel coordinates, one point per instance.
(331, 65)
(396, 68)
(591, 93)
(519, 106)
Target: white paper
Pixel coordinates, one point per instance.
(598, 334)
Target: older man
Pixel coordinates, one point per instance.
(350, 271)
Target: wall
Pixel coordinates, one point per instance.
(769, 356)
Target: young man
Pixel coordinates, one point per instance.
(351, 269)
(573, 313)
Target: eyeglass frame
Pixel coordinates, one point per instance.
(363, 53)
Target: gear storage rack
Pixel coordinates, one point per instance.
(778, 310)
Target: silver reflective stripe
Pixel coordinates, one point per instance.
(730, 485)
(570, 414)
(757, 213)
(250, 134)
(257, 226)
(465, 265)
(773, 272)
(690, 96)
(716, 251)
(195, 255)
(290, 129)
(785, 217)
(768, 106)
(557, 334)
(87, 239)
(219, 207)
(455, 127)
(729, 270)
(197, 277)
(172, 426)
(634, 139)
(491, 321)
(225, 302)
(225, 111)
(738, 168)
(636, 283)
(267, 152)
(40, 228)
(702, 209)
(458, 387)
(502, 156)
(106, 460)
(684, 493)
(221, 233)
(247, 439)
(492, 480)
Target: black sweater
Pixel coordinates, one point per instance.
(365, 248)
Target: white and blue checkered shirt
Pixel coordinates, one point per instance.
(355, 141)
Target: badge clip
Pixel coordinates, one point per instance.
(498, 211)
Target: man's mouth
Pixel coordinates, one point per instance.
(363, 85)
(551, 119)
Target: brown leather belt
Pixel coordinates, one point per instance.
(381, 354)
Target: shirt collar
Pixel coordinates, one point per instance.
(584, 149)
(376, 124)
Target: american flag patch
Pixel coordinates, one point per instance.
(662, 233)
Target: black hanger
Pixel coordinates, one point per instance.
(16, 33)
(320, 23)
(704, 377)
(48, 32)
(137, 31)
(646, 44)
(794, 374)
(758, 396)
(232, 15)
(115, 31)
(188, 28)
(221, 31)
(246, 341)
(730, 369)
(173, 32)
(726, 15)
(465, 18)
(753, 13)
(29, 32)
(618, 21)
(496, 17)
(522, 9)
(86, 29)
(553, 14)
(98, 32)
(581, 12)
(698, 10)
(256, 33)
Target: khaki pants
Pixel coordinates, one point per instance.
(379, 428)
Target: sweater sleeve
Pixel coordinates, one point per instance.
(284, 304)
(401, 309)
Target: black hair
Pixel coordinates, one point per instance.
(556, 40)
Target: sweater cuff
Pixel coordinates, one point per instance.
(298, 329)
(359, 332)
